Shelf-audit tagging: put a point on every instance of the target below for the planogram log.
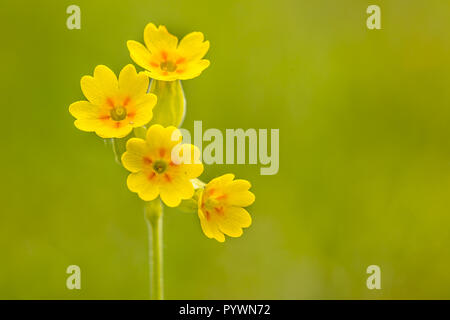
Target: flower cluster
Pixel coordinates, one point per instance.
(128, 109)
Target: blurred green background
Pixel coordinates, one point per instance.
(364, 151)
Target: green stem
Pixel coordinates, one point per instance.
(119, 147)
(153, 216)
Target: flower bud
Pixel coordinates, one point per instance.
(171, 104)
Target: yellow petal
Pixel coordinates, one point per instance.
(156, 136)
(189, 154)
(238, 216)
(98, 88)
(133, 158)
(238, 194)
(192, 171)
(109, 129)
(192, 46)
(92, 90)
(170, 197)
(183, 187)
(144, 110)
(147, 99)
(176, 189)
(139, 182)
(229, 228)
(159, 39)
(241, 199)
(143, 115)
(139, 54)
(159, 137)
(211, 230)
(106, 80)
(131, 83)
(187, 157)
(137, 146)
(136, 181)
(149, 193)
(194, 69)
(84, 110)
(88, 125)
(221, 181)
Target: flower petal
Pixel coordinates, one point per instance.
(104, 84)
(133, 158)
(221, 181)
(159, 39)
(187, 158)
(229, 228)
(139, 54)
(106, 80)
(192, 47)
(238, 194)
(92, 90)
(191, 171)
(87, 125)
(131, 83)
(170, 197)
(84, 110)
(194, 69)
(143, 111)
(159, 138)
(140, 183)
(238, 216)
(211, 229)
(241, 199)
(110, 129)
(183, 187)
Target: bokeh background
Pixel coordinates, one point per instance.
(364, 151)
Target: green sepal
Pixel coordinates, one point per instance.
(190, 205)
(153, 210)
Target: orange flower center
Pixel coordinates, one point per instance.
(118, 113)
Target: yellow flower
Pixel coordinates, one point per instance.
(220, 207)
(155, 171)
(165, 59)
(115, 107)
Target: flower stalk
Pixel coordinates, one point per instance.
(153, 215)
(119, 147)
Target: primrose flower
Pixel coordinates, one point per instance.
(220, 207)
(155, 171)
(114, 106)
(165, 59)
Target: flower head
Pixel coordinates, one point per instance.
(166, 59)
(114, 106)
(220, 207)
(154, 169)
